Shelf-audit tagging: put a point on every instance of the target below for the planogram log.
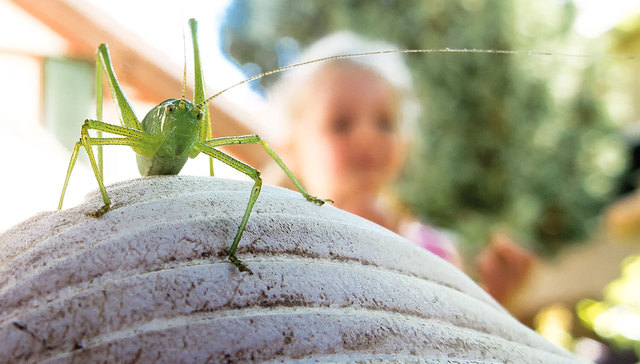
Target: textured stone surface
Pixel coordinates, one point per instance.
(149, 282)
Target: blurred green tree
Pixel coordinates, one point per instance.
(516, 141)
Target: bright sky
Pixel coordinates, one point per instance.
(597, 16)
(163, 29)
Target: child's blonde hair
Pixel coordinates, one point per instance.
(389, 67)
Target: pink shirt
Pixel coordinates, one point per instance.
(440, 243)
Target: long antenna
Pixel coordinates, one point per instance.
(441, 50)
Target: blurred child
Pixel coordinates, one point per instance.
(347, 125)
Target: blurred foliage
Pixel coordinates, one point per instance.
(617, 317)
(518, 141)
(554, 324)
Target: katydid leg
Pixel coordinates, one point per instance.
(99, 101)
(72, 163)
(256, 139)
(130, 137)
(255, 192)
(127, 117)
(199, 92)
(85, 139)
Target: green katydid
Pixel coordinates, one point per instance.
(170, 133)
(177, 129)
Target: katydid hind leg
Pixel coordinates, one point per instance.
(199, 94)
(127, 117)
(99, 100)
(76, 148)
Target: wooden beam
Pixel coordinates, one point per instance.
(137, 64)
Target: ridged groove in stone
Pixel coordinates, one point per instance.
(149, 281)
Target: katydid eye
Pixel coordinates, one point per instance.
(199, 115)
(170, 108)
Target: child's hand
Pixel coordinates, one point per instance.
(503, 266)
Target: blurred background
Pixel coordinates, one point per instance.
(544, 147)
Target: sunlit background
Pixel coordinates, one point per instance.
(584, 109)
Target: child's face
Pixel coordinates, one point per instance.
(346, 136)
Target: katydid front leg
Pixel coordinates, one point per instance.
(255, 192)
(207, 147)
(256, 139)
